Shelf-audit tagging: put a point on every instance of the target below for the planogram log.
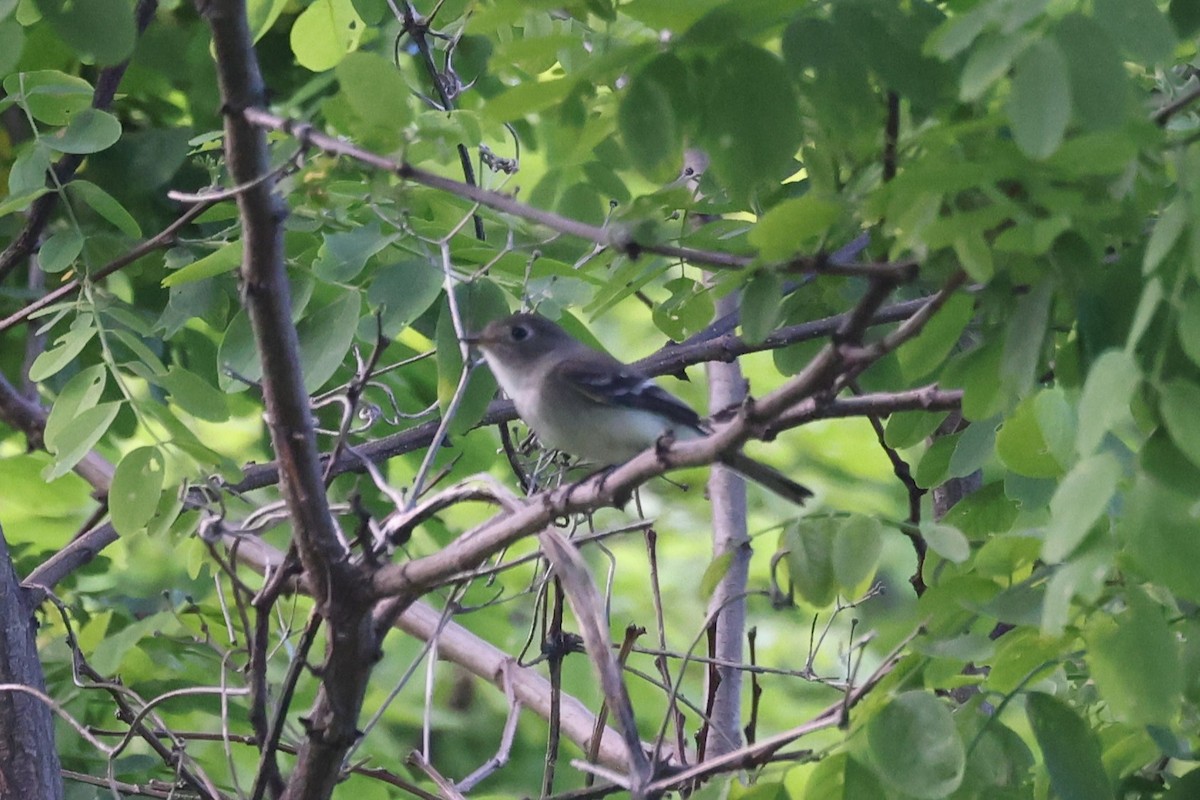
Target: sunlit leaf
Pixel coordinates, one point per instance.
(136, 486)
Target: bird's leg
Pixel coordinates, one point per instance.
(662, 446)
(600, 475)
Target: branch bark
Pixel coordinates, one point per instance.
(730, 539)
(335, 582)
(29, 765)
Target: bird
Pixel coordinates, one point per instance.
(587, 403)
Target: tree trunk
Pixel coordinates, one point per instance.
(28, 760)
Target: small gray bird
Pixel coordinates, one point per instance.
(587, 403)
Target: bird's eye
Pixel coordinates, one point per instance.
(519, 333)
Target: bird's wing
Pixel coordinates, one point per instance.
(612, 383)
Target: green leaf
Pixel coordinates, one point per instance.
(1158, 528)
(51, 96)
(28, 172)
(324, 33)
(984, 512)
(78, 436)
(1040, 104)
(646, 117)
(1165, 234)
(1138, 27)
(261, 15)
(65, 349)
(112, 649)
(1024, 339)
(1022, 446)
(79, 394)
(375, 90)
(238, 354)
(975, 447)
(183, 437)
(928, 350)
(888, 36)
(1056, 420)
(1178, 402)
(1187, 786)
(137, 346)
(1104, 402)
(404, 291)
(527, 98)
(1161, 460)
(1152, 296)
(1185, 16)
(856, 548)
(195, 395)
(834, 80)
(344, 254)
(1069, 748)
(947, 541)
(136, 486)
(21, 202)
(794, 226)
(908, 428)
(713, 573)
(1188, 327)
(686, 311)
(809, 546)
(1080, 501)
(988, 62)
(975, 255)
(1099, 83)
(762, 301)
(60, 250)
(106, 206)
(751, 127)
(325, 338)
(12, 40)
(224, 259)
(916, 747)
(1135, 662)
(89, 131)
(958, 32)
(480, 302)
(101, 32)
(935, 463)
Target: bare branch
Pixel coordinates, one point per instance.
(618, 239)
(589, 613)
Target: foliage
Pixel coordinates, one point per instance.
(1045, 150)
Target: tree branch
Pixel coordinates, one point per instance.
(619, 239)
(670, 360)
(336, 583)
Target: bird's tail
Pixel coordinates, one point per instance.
(768, 477)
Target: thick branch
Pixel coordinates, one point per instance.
(730, 539)
(352, 650)
(28, 758)
(459, 646)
